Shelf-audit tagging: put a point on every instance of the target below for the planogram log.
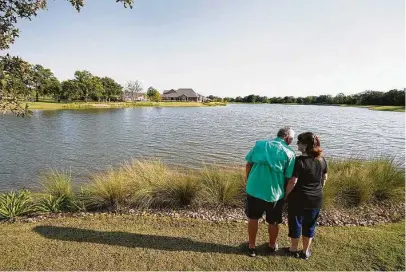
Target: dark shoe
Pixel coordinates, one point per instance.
(272, 250)
(304, 255)
(294, 254)
(252, 252)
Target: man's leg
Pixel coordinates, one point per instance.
(274, 218)
(254, 209)
(252, 232)
(273, 231)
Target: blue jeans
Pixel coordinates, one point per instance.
(302, 221)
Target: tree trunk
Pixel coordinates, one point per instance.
(36, 96)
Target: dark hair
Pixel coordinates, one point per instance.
(312, 142)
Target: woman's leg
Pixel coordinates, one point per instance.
(306, 244)
(309, 227)
(295, 225)
(294, 242)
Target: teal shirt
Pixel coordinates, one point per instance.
(273, 162)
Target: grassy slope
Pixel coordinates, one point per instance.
(124, 242)
(378, 108)
(42, 105)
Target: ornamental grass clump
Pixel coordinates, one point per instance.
(58, 194)
(222, 186)
(353, 182)
(111, 189)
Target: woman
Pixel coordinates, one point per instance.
(304, 192)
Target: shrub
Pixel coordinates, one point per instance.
(222, 186)
(15, 204)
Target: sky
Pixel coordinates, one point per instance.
(226, 47)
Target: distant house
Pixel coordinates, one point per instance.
(128, 96)
(182, 95)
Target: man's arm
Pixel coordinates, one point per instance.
(248, 167)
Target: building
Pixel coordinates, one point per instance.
(182, 95)
(128, 96)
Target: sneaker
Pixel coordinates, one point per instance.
(252, 252)
(305, 255)
(294, 254)
(272, 250)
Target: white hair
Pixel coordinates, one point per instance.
(286, 132)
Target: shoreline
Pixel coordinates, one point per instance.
(366, 215)
(369, 107)
(42, 105)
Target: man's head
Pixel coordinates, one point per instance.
(287, 134)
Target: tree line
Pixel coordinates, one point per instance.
(37, 81)
(393, 97)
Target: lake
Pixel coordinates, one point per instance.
(86, 141)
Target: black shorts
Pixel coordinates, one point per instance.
(255, 208)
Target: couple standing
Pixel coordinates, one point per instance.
(274, 175)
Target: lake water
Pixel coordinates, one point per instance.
(86, 141)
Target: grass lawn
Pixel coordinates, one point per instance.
(378, 108)
(388, 108)
(52, 105)
(125, 242)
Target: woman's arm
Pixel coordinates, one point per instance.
(290, 186)
(323, 180)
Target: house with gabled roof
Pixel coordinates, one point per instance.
(183, 94)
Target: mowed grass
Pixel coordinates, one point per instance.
(52, 105)
(388, 108)
(378, 108)
(126, 242)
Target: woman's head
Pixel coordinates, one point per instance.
(309, 143)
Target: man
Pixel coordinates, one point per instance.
(269, 164)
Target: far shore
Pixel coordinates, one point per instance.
(370, 107)
(53, 105)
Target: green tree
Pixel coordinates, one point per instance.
(252, 98)
(112, 90)
(11, 13)
(15, 84)
(84, 80)
(394, 97)
(53, 87)
(40, 76)
(96, 91)
(339, 99)
(289, 99)
(70, 90)
(153, 94)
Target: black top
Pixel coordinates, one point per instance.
(308, 191)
